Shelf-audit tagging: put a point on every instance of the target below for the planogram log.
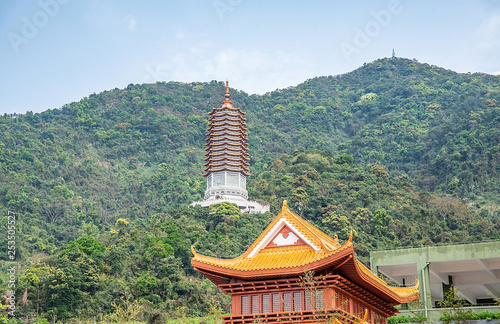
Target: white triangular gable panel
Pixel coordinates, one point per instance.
(274, 231)
(280, 240)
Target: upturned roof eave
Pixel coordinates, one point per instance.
(365, 278)
(269, 273)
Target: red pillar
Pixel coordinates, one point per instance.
(236, 305)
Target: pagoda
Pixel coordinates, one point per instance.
(226, 159)
(294, 273)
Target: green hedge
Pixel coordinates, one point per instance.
(407, 319)
(479, 316)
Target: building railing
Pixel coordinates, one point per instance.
(307, 316)
(250, 206)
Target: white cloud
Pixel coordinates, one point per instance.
(250, 70)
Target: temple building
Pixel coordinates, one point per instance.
(294, 273)
(226, 158)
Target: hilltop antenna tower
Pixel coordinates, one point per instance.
(393, 54)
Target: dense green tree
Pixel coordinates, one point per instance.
(400, 152)
(86, 244)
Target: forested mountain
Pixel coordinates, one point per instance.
(402, 153)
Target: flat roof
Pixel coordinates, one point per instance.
(474, 269)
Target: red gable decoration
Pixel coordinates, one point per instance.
(285, 237)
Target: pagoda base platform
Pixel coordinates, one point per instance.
(245, 206)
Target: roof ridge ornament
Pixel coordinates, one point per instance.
(285, 206)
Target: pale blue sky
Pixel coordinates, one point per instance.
(55, 52)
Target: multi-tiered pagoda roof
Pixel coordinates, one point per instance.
(227, 139)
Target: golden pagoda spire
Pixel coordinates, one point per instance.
(227, 90)
(227, 102)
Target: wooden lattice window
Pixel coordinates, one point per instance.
(276, 303)
(244, 305)
(319, 299)
(266, 307)
(297, 301)
(287, 302)
(308, 300)
(255, 304)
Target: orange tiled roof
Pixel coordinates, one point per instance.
(260, 260)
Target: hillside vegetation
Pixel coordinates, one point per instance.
(401, 153)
